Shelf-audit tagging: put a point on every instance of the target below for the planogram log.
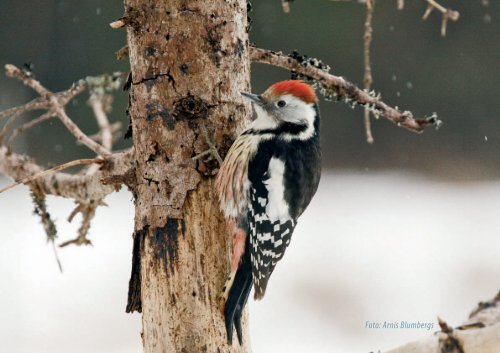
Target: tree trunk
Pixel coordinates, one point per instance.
(189, 61)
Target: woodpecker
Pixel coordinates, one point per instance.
(265, 183)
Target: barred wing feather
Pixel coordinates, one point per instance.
(268, 239)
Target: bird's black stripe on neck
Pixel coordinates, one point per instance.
(286, 127)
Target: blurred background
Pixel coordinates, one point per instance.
(413, 67)
(407, 227)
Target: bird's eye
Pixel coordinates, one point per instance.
(281, 104)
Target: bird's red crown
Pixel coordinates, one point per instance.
(297, 88)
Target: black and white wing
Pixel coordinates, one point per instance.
(270, 225)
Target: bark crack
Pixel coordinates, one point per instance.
(150, 79)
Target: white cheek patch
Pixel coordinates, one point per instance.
(277, 208)
(264, 121)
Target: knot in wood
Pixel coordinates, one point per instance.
(190, 107)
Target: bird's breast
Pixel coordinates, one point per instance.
(232, 181)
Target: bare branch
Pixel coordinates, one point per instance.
(50, 171)
(286, 6)
(78, 187)
(76, 88)
(44, 117)
(100, 104)
(28, 80)
(87, 210)
(368, 79)
(122, 53)
(454, 15)
(58, 108)
(6, 128)
(35, 104)
(339, 87)
(88, 189)
(487, 313)
(115, 131)
(75, 130)
(97, 102)
(448, 14)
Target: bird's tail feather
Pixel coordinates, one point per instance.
(238, 296)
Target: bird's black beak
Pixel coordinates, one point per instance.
(252, 97)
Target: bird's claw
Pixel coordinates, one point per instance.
(212, 150)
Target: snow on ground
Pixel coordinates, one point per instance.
(372, 247)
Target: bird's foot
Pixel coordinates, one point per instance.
(212, 150)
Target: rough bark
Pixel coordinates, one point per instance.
(189, 61)
(81, 188)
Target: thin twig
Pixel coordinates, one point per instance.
(368, 79)
(57, 108)
(64, 98)
(438, 6)
(75, 130)
(344, 89)
(96, 102)
(40, 103)
(448, 14)
(44, 117)
(76, 210)
(87, 210)
(286, 6)
(15, 72)
(122, 53)
(76, 88)
(56, 255)
(52, 171)
(115, 131)
(35, 104)
(60, 183)
(6, 128)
